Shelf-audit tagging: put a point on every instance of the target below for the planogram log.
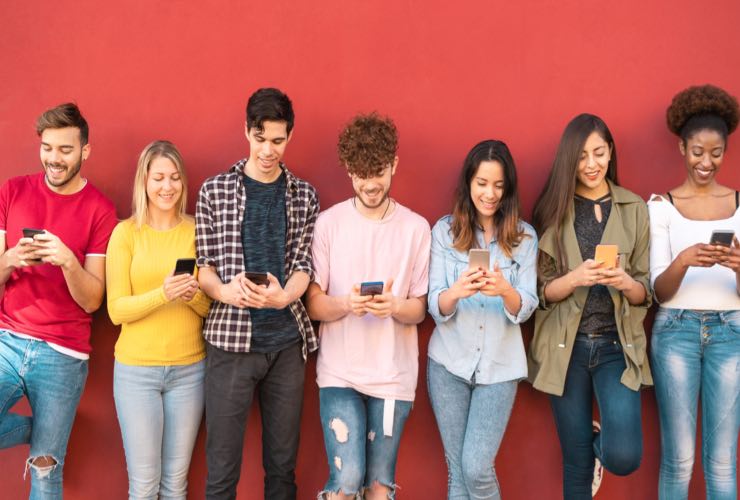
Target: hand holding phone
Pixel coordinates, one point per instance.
(479, 258)
(184, 266)
(383, 304)
(30, 233)
(257, 278)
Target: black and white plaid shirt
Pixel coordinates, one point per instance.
(218, 240)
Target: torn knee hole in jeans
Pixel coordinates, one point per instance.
(338, 462)
(341, 432)
(371, 436)
(43, 465)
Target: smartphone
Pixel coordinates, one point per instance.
(607, 255)
(257, 278)
(371, 288)
(30, 232)
(722, 237)
(185, 266)
(479, 257)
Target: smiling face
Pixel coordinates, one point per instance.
(703, 153)
(266, 149)
(62, 155)
(163, 186)
(592, 167)
(487, 190)
(372, 192)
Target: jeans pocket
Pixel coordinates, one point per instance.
(664, 321)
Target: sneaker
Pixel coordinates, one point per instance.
(598, 468)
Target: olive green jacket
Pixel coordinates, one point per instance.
(556, 324)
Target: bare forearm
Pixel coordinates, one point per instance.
(636, 293)
(669, 281)
(296, 286)
(447, 302)
(411, 311)
(85, 288)
(323, 307)
(559, 289)
(210, 283)
(6, 268)
(512, 301)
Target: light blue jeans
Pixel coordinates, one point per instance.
(472, 419)
(159, 410)
(53, 384)
(358, 451)
(693, 353)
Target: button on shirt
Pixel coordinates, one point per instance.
(480, 337)
(218, 215)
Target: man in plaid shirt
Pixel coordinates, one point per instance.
(256, 217)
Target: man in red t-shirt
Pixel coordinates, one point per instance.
(54, 230)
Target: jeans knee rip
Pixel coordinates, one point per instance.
(42, 471)
(341, 432)
(323, 495)
(371, 436)
(391, 488)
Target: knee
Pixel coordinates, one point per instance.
(476, 473)
(622, 462)
(42, 466)
(345, 475)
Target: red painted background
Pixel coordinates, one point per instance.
(449, 73)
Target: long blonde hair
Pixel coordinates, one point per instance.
(140, 203)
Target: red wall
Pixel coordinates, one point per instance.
(449, 73)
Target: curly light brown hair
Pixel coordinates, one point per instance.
(702, 107)
(368, 145)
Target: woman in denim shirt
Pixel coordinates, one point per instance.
(476, 354)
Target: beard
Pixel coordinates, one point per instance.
(72, 171)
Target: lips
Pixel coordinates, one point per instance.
(704, 173)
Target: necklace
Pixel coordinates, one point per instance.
(354, 204)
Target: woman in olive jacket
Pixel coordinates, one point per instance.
(589, 339)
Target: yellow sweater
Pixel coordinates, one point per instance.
(154, 330)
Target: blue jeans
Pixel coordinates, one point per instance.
(472, 419)
(53, 384)
(159, 409)
(358, 451)
(596, 366)
(697, 352)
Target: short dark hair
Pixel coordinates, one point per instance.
(368, 144)
(269, 104)
(62, 116)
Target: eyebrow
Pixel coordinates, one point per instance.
(60, 146)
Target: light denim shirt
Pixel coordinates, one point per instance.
(480, 338)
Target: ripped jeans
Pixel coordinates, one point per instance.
(358, 451)
(53, 384)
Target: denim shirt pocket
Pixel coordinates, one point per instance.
(509, 268)
(455, 264)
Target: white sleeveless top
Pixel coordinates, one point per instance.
(703, 288)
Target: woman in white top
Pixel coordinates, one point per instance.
(696, 334)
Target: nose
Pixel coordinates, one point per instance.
(267, 148)
(54, 155)
(706, 160)
(590, 161)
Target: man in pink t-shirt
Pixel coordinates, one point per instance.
(54, 230)
(368, 351)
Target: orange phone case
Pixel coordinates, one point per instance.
(607, 254)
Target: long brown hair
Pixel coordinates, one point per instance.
(506, 216)
(556, 198)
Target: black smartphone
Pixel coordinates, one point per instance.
(371, 288)
(722, 237)
(185, 266)
(30, 232)
(257, 278)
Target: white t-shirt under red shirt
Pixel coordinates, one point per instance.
(36, 301)
(376, 357)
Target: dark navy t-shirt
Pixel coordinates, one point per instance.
(263, 240)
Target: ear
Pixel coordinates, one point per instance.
(290, 135)
(85, 151)
(393, 167)
(246, 130)
(682, 148)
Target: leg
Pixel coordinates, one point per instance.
(619, 444)
(676, 363)
(490, 410)
(344, 422)
(281, 402)
(14, 429)
(183, 411)
(54, 383)
(573, 420)
(137, 391)
(720, 380)
(382, 451)
(229, 386)
(450, 398)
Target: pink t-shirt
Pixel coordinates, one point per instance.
(377, 357)
(36, 300)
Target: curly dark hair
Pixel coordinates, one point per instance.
(368, 144)
(702, 107)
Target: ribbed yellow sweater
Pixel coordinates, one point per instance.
(154, 330)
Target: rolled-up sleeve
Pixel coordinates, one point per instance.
(526, 282)
(206, 240)
(438, 280)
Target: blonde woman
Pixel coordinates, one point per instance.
(159, 369)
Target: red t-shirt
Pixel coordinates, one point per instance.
(36, 300)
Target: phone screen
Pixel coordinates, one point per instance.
(185, 266)
(371, 288)
(257, 278)
(722, 237)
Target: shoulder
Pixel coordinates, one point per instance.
(441, 228)
(333, 215)
(411, 218)
(302, 188)
(624, 196)
(124, 230)
(527, 229)
(218, 181)
(98, 197)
